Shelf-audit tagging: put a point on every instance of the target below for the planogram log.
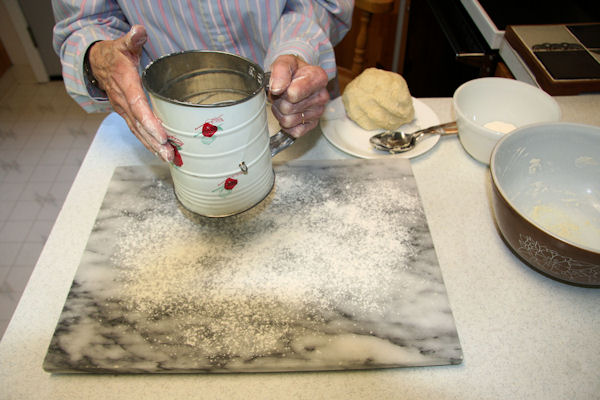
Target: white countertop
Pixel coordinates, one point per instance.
(523, 335)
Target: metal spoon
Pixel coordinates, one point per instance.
(399, 142)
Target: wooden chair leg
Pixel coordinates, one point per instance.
(367, 9)
(361, 43)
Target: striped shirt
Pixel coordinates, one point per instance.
(259, 30)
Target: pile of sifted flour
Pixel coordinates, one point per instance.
(237, 286)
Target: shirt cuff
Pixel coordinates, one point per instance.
(297, 48)
(94, 91)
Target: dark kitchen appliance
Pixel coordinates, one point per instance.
(444, 47)
(533, 12)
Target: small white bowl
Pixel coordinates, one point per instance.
(506, 103)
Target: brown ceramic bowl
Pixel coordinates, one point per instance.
(546, 198)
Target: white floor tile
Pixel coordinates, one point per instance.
(7, 113)
(44, 136)
(46, 93)
(58, 192)
(82, 140)
(24, 95)
(15, 231)
(25, 210)
(8, 158)
(25, 76)
(17, 279)
(24, 127)
(47, 127)
(29, 155)
(11, 89)
(7, 83)
(11, 191)
(18, 144)
(39, 231)
(7, 136)
(37, 191)
(8, 255)
(8, 303)
(6, 208)
(54, 156)
(61, 140)
(3, 325)
(76, 155)
(39, 141)
(45, 173)
(52, 117)
(3, 274)
(16, 172)
(9, 86)
(74, 112)
(5, 124)
(92, 121)
(49, 211)
(29, 254)
(39, 108)
(67, 173)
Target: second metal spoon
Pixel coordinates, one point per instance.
(399, 142)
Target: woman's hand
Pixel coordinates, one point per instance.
(114, 64)
(298, 94)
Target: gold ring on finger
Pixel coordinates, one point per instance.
(302, 114)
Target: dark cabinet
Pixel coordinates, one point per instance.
(444, 48)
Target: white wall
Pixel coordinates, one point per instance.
(16, 39)
(10, 39)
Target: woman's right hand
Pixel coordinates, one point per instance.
(114, 64)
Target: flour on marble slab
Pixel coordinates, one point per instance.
(237, 285)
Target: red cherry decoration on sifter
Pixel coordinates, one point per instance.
(230, 183)
(208, 129)
(177, 157)
(176, 145)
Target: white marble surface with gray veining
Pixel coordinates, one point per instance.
(334, 270)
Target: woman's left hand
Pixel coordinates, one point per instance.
(298, 93)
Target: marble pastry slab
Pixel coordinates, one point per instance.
(334, 270)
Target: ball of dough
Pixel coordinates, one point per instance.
(378, 99)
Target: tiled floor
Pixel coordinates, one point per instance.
(44, 136)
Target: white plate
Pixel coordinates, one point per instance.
(347, 136)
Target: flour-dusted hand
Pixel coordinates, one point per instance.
(114, 64)
(298, 93)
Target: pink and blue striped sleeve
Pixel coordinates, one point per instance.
(78, 25)
(310, 29)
